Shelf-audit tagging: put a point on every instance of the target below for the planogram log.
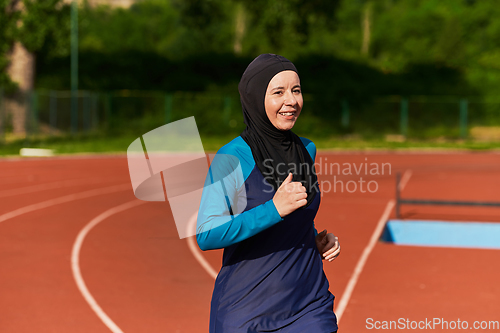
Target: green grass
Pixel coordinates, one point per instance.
(378, 144)
(71, 144)
(119, 144)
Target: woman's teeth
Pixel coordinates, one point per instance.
(287, 113)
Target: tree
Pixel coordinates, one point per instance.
(7, 26)
(28, 26)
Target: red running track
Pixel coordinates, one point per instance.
(145, 279)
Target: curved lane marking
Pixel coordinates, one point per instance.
(63, 199)
(49, 186)
(194, 248)
(75, 262)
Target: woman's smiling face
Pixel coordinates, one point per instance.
(283, 101)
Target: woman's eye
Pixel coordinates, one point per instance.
(297, 91)
(278, 93)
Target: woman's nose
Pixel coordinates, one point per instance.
(290, 99)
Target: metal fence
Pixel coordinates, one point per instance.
(422, 117)
(49, 113)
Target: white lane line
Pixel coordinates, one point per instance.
(75, 262)
(49, 186)
(404, 180)
(194, 248)
(64, 199)
(344, 300)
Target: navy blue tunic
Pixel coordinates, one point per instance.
(272, 277)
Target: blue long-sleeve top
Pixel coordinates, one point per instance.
(272, 275)
(216, 227)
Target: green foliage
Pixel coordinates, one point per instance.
(423, 38)
(147, 27)
(45, 24)
(136, 70)
(167, 28)
(285, 26)
(414, 44)
(41, 25)
(460, 34)
(8, 19)
(416, 47)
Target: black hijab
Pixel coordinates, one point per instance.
(271, 147)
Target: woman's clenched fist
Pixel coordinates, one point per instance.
(290, 196)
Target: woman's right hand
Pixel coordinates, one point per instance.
(290, 196)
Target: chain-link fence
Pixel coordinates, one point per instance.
(49, 113)
(424, 117)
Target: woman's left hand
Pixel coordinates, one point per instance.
(328, 245)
